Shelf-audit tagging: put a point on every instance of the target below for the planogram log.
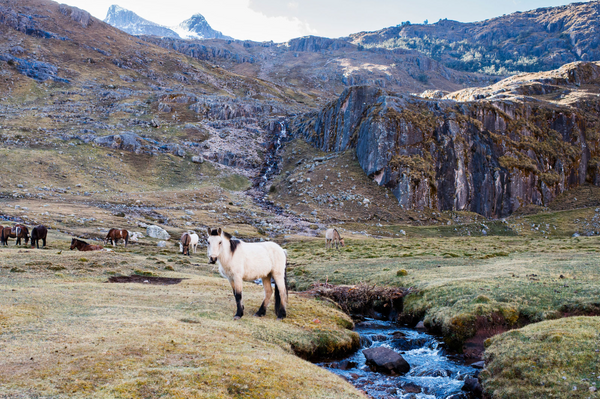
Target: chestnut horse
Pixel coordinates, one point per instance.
(38, 233)
(114, 235)
(19, 231)
(186, 239)
(84, 246)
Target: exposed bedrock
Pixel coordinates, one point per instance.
(489, 156)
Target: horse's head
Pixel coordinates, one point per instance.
(342, 242)
(73, 243)
(215, 244)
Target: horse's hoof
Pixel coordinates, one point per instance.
(258, 314)
(237, 317)
(280, 319)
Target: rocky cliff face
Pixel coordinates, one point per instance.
(536, 40)
(490, 153)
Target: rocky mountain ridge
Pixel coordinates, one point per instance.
(195, 27)
(536, 40)
(491, 151)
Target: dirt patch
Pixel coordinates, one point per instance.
(145, 280)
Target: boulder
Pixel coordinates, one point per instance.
(124, 141)
(161, 244)
(411, 388)
(472, 385)
(157, 232)
(386, 361)
(198, 159)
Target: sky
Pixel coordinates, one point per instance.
(282, 20)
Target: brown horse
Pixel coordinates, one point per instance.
(84, 246)
(186, 239)
(38, 233)
(114, 235)
(19, 231)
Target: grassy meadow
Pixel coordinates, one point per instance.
(66, 332)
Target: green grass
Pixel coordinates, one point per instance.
(552, 359)
(464, 283)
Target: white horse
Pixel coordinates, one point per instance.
(332, 235)
(241, 261)
(188, 239)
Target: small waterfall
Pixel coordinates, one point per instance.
(271, 159)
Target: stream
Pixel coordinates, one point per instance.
(433, 373)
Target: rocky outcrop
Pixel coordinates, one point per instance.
(157, 232)
(78, 15)
(491, 153)
(40, 71)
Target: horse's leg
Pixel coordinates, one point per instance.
(280, 297)
(268, 292)
(236, 284)
(44, 241)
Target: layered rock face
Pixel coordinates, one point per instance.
(491, 154)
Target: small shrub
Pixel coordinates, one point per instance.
(169, 267)
(401, 273)
(83, 259)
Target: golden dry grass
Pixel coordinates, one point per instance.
(65, 332)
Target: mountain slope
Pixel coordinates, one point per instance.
(536, 40)
(325, 67)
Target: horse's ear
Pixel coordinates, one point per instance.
(208, 230)
(219, 231)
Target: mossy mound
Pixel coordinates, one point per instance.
(551, 359)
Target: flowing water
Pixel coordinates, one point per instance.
(271, 160)
(432, 371)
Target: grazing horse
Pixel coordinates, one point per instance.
(241, 261)
(184, 245)
(38, 233)
(84, 246)
(19, 231)
(332, 235)
(114, 235)
(193, 242)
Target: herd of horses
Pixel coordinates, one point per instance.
(238, 260)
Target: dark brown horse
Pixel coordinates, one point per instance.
(19, 231)
(38, 233)
(114, 235)
(186, 239)
(84, 246)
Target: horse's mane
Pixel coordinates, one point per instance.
(233, 243)
(80, 241)
(338, 233)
